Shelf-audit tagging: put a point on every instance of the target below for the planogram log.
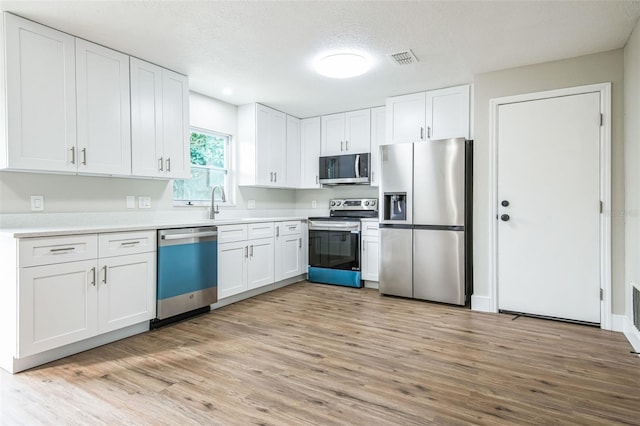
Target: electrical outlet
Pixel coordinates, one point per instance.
(251, 204)
(144, 202)
(131, 201)
(314, 204)
(37, 203)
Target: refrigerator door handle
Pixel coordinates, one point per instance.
(357, 166)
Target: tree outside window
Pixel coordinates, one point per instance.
(209, 167)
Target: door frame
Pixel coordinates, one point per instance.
(605, 188)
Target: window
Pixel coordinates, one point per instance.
(209, 168)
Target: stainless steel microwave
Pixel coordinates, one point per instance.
(345, 169)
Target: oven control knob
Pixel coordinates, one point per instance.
(366, 203)
(333, 203)
(338, 203)
(373, 202)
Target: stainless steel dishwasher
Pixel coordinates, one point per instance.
(187, 273)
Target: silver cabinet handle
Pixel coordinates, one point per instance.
(341, 146)
(61, 250)
(246, 251)
(373, 176)
(275, 176)
(93, 272)
(277, 231)
(428, 132)
(299, 242)
(421, 133)
(130, 243)
(317, 179)
(168, 162)
(271, 178)
(251, 251)
(84, 156)
(104, 280)
(346, 144)
(160, 164)
(73, 155)
(363, 246)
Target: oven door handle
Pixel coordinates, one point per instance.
(318, 227)
(189, 236)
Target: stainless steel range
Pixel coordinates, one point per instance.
(334, 242)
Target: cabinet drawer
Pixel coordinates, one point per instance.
(369, 229)
(260, 230)
(50, 250)
(230, 233)
(122, 243)
(290, 228)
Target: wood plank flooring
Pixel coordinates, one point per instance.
(312, 354)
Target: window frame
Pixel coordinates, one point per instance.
(230, 196)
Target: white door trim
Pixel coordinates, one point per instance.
(605, 189)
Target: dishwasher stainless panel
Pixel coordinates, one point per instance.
(187, 270)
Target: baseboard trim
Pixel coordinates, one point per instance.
(617, 323)
(256, 291)
(631, 333)
(371, 284)
(481, 304)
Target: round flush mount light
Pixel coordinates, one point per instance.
(343, 65)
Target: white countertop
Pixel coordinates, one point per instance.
(56, 226)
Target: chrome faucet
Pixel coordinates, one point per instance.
(214, 208)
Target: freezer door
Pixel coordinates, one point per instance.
(439, 182)
(395, 262)
(396, 180)
(438, 267)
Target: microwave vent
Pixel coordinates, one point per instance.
(405, 57)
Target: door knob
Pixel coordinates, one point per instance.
(505, 203)
(505, 217)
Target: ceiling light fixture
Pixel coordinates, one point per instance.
(343, 65)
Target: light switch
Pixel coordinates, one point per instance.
(144, 202)
(37, 203)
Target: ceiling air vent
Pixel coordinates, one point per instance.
(403, 58)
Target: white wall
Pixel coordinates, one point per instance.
(632, 161)
(589, 69)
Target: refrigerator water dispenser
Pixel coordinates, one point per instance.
(395, 206)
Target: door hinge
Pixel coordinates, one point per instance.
(601, 294)
(601, 119)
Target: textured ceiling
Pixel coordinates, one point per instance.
(264, 49)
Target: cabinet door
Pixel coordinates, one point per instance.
(41, 100)
(291, 256)
(310, 152)
(370, 258)
(175, 125)
(357, 131)
(126, 291)
(57, 305)
(293, 152)
(146, 119)
(448, 113)
(332, 134)
(270, 146)
(232, 268)
(406, 118)
(103, 110)
(260, 269)
(378, 126)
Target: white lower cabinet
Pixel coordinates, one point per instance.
(288, 249)
(63, 299)
(245, 257)
(370, 254)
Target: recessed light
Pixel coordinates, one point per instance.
(343, 65)
(227, 91)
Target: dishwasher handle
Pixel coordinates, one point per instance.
(189, 235)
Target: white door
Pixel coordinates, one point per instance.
(357, 131)
(549, 207)
(103, 110)
(126, 291)
(41, 100)
(260, 269)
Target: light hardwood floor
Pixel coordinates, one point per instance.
(328, 355)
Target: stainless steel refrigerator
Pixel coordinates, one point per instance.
(425, 224)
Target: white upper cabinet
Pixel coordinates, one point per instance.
(103, 110)
(159, 122)
(262, 145)
(346, 133)
(40, 98)
(437, 114)
(293, 152)
(448, 113)
(310, 152)
(378, 133)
